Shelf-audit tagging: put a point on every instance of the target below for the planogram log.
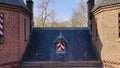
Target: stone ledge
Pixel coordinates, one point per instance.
(63, 64)
(14, 64)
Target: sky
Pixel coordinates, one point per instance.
(63, 8)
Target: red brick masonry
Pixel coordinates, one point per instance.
(12, 50)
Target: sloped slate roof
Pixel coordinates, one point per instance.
(101, 3)
(60, 38)
(19, 3)
(42, 47)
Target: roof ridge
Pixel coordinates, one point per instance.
(19, 3)
(101, 3)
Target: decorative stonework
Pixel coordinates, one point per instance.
(111, 64)
(1, 27)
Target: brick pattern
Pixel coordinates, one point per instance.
(9, 49)
(14, 44)
(108, 44)
(10, 65)
(22, 40)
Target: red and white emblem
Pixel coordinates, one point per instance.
(1, 25)
(61, 47)
(119, 24)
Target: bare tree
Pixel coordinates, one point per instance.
(52, 19)
(79, 15)
(45, 14)
(76, 18)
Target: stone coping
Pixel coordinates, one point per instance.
(63, 64)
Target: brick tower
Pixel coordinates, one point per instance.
(106, 31)
(14, 31)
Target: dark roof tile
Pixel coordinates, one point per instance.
(43, 48)
(19, 3)
(101, 3)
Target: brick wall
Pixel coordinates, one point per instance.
(14, 40)
(108, 41)
(22, 39)
(9, 49)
